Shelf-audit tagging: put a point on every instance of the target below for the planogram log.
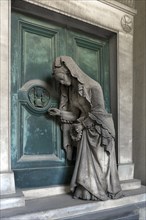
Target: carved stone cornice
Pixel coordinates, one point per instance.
(128, 6)
(130, 3)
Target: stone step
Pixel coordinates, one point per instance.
(57, 190)
(34, 193)
(130, 184)
(14, 200)
(126, 213)
(64, 207)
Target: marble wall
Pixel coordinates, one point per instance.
(7, 179)
(139, 114)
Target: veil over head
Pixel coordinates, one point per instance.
(84, 81)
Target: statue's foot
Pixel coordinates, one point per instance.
(77, 193)
(86, 195)
(116, 196)
(82, 193)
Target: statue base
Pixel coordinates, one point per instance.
(65, 207)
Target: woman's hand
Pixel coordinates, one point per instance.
(78, 127)
(54, 112)
(76, 131)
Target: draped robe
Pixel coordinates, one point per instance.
(95, 168)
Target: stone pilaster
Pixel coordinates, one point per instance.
(125, 106)
(7, 183)
(7, 178)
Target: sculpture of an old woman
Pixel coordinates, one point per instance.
(87, 126)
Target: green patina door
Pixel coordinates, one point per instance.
(38, 158)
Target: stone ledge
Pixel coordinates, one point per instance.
(12, 201)
(130, 184)
(37, 193)
(63, 206)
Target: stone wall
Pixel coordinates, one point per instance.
(139, 113)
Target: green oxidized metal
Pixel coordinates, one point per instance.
(35, 96)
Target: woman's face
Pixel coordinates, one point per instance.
(62, 76)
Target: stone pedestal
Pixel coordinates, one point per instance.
(65, 207)
(7, 184)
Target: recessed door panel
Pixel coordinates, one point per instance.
(92, 55)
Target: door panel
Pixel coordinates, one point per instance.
(92, 57)
(38, 158)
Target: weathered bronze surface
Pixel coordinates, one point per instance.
(35, 96)
(88, 127)
(36, 140)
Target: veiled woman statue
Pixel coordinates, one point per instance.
(86, 124)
